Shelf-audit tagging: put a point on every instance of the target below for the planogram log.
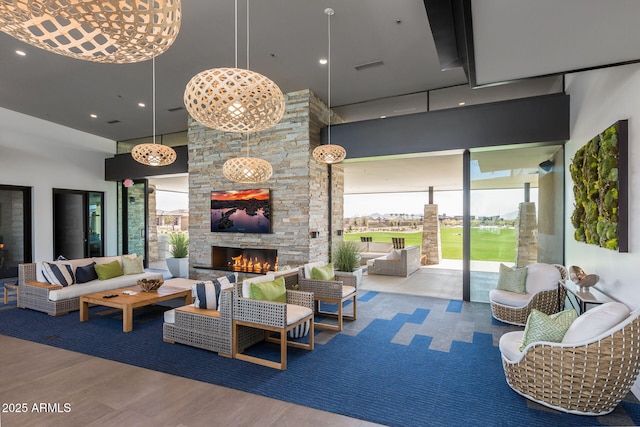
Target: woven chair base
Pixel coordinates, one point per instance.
(548, 302)
(590, 379)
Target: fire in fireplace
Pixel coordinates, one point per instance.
(247, 260)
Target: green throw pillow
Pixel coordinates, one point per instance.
(269, 291)
(132, 265)
(109, 270)
(544, 327)
(512, 280)
(323, 273)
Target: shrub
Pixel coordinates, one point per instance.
(179, 245)
(346, 256)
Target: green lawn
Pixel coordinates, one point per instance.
(487, 244)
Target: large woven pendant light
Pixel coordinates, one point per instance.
(153, 154)
(329, 153)
(247, 170)
(94, 30)
(233, 99)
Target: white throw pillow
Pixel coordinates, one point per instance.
(595, 321)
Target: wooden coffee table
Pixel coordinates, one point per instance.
(127, 303)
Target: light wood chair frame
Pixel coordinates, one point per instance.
(271, 317)
(330, 291)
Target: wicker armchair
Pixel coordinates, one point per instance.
(344, 288)
(272, 317)
(208, 329)
(586, 378)
(543, 294)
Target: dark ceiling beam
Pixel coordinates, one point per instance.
(540, 119)
(122, 166)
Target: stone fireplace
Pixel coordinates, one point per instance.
(245, 260)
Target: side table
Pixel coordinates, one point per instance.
(583, 297)
(10, 286)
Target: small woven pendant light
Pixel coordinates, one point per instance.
(329, 153)
(153, 154)
(94, 30)
(233, 99)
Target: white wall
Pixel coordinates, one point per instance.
(599, 98)
(43, 155)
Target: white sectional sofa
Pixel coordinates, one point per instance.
(37, 294)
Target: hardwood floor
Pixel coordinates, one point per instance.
(56, 387)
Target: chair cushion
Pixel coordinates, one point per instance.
(325, 272)
(544, 327)
(296, 313)
(508, 298)
(132, 265)
(170, 316)
(596, 321)
(347, 290)
(206, 294)
(269, 291)
(300, 331)
(225, 282)
(541, 277)
(246, 284)
(512, 280)
(109, 270)
(510, 345)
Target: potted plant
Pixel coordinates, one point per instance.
(178, 264)
(346, 259)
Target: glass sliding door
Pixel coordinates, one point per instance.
(15, 229)
(515, 212)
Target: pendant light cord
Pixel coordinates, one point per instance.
(329, 77)
(153, 89)
(247, 63)
(236, 31)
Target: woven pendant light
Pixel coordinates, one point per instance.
(94, 30)
(153, 154)
(234, 99)
(329, 153)
(247, 170)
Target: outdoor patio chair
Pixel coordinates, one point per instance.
(589, 372)
(342, 288)
(542, 293)
(272, 317)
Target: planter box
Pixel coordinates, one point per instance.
(179, 267)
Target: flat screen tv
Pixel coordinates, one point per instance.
(241, 211)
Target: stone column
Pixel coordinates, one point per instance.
(431, 250)
(527, 235)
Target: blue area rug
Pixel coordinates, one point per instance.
(361, 374)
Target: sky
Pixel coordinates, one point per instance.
(483, 202)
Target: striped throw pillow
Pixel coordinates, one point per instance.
(58, 273)
(300, 331)
(207, 294)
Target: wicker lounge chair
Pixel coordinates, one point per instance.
(344, 288)
(271, 317)
(208, 329)
(586, 378)
(543, 294)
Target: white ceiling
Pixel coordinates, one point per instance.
(513, 39)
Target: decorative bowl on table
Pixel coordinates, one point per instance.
(580, 278)
(148, 285)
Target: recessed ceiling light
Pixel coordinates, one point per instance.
(141, 104)
(383, 117)
(21, 52)
(323, 61)
(461, 103)
(93, 116)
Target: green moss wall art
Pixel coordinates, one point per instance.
(599, 173)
